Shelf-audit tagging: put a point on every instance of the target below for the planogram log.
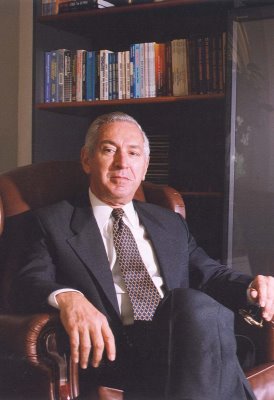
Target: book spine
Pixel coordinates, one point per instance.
(120, 75)
(110, 75)
(97, 75)
(53, 77)
(67, 76)
(47, 62)
(89, 76)
(200, 63)
(124, 74)
(137, 84)
(60, 74)
(160, 67)
(73, 63)
(77, 5)
(104, 74)
(151, 70)
(79, 75)
(142, 70)
(208, 86)
(193, 66)
(84, 64)
(46, 7)
(168, 57)
(132, 70)
(179, 67)
(115, 76)
(127, 74)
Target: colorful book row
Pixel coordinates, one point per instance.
(53, 7)
(175, 68)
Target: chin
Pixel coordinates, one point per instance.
(122, 195)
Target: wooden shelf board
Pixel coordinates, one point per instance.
(128, 9)
(86, 105)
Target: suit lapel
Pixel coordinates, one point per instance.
(87, 243)
(167, 247)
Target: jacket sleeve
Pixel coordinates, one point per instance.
(227, 286)
(35, 278)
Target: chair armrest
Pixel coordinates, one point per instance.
(30, 328)
(43, 343)
(268, 346)
(261, 379)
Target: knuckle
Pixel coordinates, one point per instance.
(98, 346)
(86, 347)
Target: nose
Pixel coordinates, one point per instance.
(121, 160)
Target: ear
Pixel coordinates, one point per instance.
(85, 160)
(146, 167)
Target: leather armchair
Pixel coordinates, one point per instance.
(34, 350)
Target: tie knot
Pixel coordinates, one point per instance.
(117, 214)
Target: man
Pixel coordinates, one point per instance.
(174, 340)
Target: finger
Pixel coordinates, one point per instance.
(109, 342)
(74, 346)
(97, 350)
(85, 348)
(261, 287)
(269, 305)
(254, 293)
(268, 310)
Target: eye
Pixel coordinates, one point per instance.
(109, 150)
(134, 153)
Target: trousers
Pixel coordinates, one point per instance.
(188, 352)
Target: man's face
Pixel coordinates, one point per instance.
(118, 164)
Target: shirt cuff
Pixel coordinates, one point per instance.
(52, 297)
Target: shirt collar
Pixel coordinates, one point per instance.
(102, 211)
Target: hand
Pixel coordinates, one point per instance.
(262, 292)
(88, 329)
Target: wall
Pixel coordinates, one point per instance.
(15, 82)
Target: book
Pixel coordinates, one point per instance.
(115, 76)
(127, 74)
(76, 5)
(60, 53)
(79, 74)
(73, 66)
(160, 69)
(168, 57)
(104, 70)
(137, 82)
(150, 69)
(121, 73)
(47, 63)
(67, 76)
(142, 70)
(104, 3)
(110, 75)
(132, 70)
(53, 76)
(46, 7)
(84, 64)
(179, 67)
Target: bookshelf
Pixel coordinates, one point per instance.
(194, 124)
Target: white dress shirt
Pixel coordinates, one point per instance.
(102, 214)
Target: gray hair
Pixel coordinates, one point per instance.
(95, 129)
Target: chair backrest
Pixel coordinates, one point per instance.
(38, 185)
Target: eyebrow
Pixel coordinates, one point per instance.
(132, 146)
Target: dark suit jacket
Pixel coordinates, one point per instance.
(63, 248)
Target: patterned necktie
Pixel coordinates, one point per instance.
(142, 292)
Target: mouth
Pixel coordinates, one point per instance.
(120, 178)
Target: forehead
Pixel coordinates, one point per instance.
(121, 133)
